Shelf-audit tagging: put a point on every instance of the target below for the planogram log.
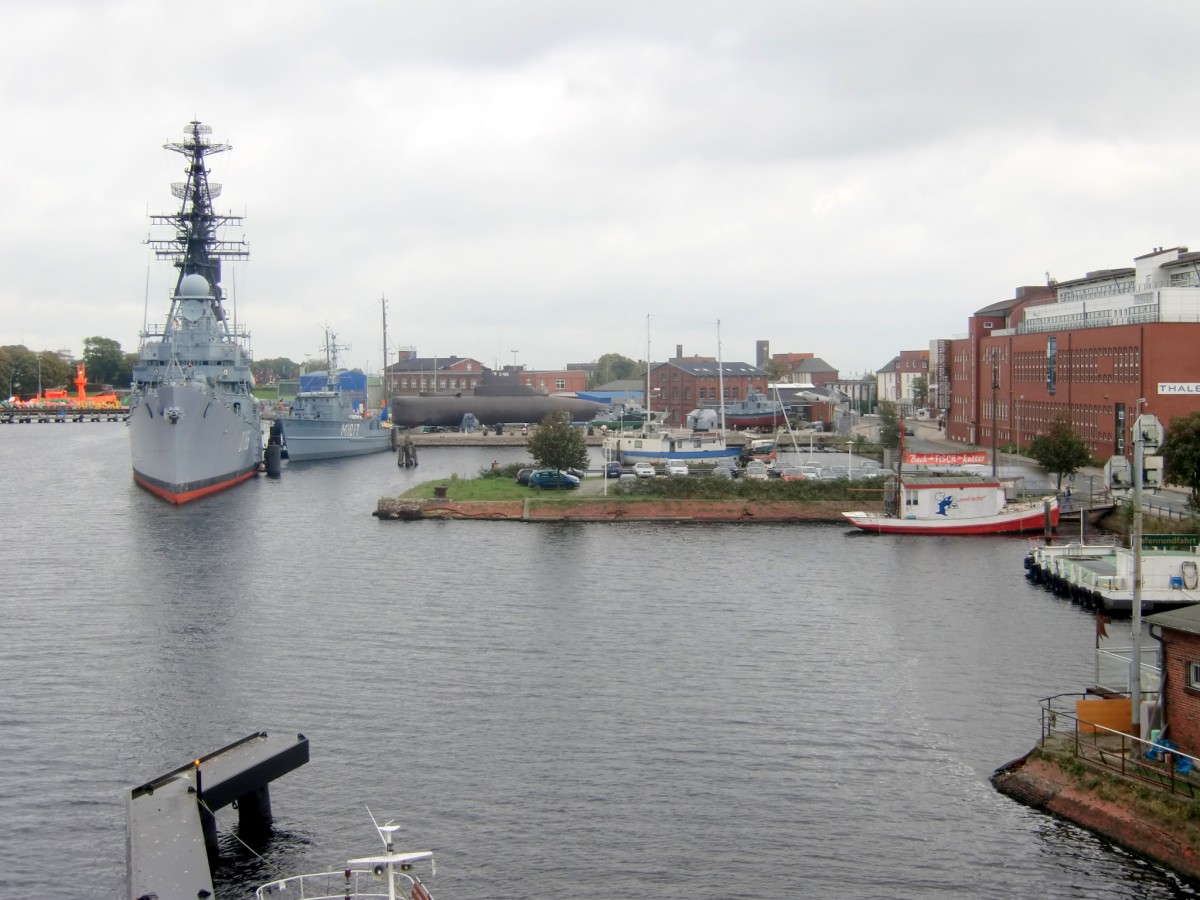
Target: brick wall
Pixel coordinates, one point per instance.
(1182, 703)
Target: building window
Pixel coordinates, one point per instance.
(1194, 675)
(560, 384)
(1051, 365)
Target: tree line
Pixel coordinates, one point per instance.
(25, 372)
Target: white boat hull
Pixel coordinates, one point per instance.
(1013, 519)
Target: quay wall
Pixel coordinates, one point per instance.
(615, 510)
(1044, 785)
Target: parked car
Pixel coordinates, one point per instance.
(755, 471)
(675, 467)
(810, 471)
(552, 479)
(523, 475)
(612, 469)
(793, 473)
(643, 470)
(722, 472)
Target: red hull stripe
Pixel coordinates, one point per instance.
(1005, 526)
(181, 497)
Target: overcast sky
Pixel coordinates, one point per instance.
(529, 181)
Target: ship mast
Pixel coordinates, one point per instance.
(195, 247)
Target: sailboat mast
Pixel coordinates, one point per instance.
(648, 369)
(720, 376)
(387, 388)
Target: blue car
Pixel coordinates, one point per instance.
(612, 470)
(552, 478)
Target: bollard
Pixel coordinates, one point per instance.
(273, 460)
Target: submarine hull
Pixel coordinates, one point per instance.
(449, 410)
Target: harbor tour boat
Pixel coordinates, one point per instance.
(389, 874)
(1101, 576)
(330, 417)
(194, 425)
(954, 504)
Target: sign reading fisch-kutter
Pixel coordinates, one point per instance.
(946, 459)
(1179, 387)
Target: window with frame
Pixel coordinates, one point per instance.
(1194, 675)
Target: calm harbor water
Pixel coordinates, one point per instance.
(573, 710)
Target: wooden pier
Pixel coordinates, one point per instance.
(172, 831)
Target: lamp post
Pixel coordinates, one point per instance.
(1135, 666)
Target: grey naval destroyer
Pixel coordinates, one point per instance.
(194, 425)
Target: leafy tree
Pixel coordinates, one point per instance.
(776, 370)
(1181, 455)
(20, 368)
(55, 371)
(1060, 451)
(889, 425)
(615, 367)
(270, 371)
(105, 362)
(554, 444)
(920, 391)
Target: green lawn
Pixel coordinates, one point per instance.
(479, 489)
(691, 488)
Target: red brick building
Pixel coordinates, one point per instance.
(555, 381)
(686, 383)
(413, 375)
(1179, 631)
(1097, 348)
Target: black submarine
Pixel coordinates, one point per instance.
(497, 399)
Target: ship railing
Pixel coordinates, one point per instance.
(338, 885)
(1151, 761)
(1113, 666)
(1124, 583)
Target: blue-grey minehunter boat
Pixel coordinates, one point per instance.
(333, 421)
(194, 426)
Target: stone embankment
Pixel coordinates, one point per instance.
(614, 510)
(1116, 810)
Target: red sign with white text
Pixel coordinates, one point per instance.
(946, 459)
